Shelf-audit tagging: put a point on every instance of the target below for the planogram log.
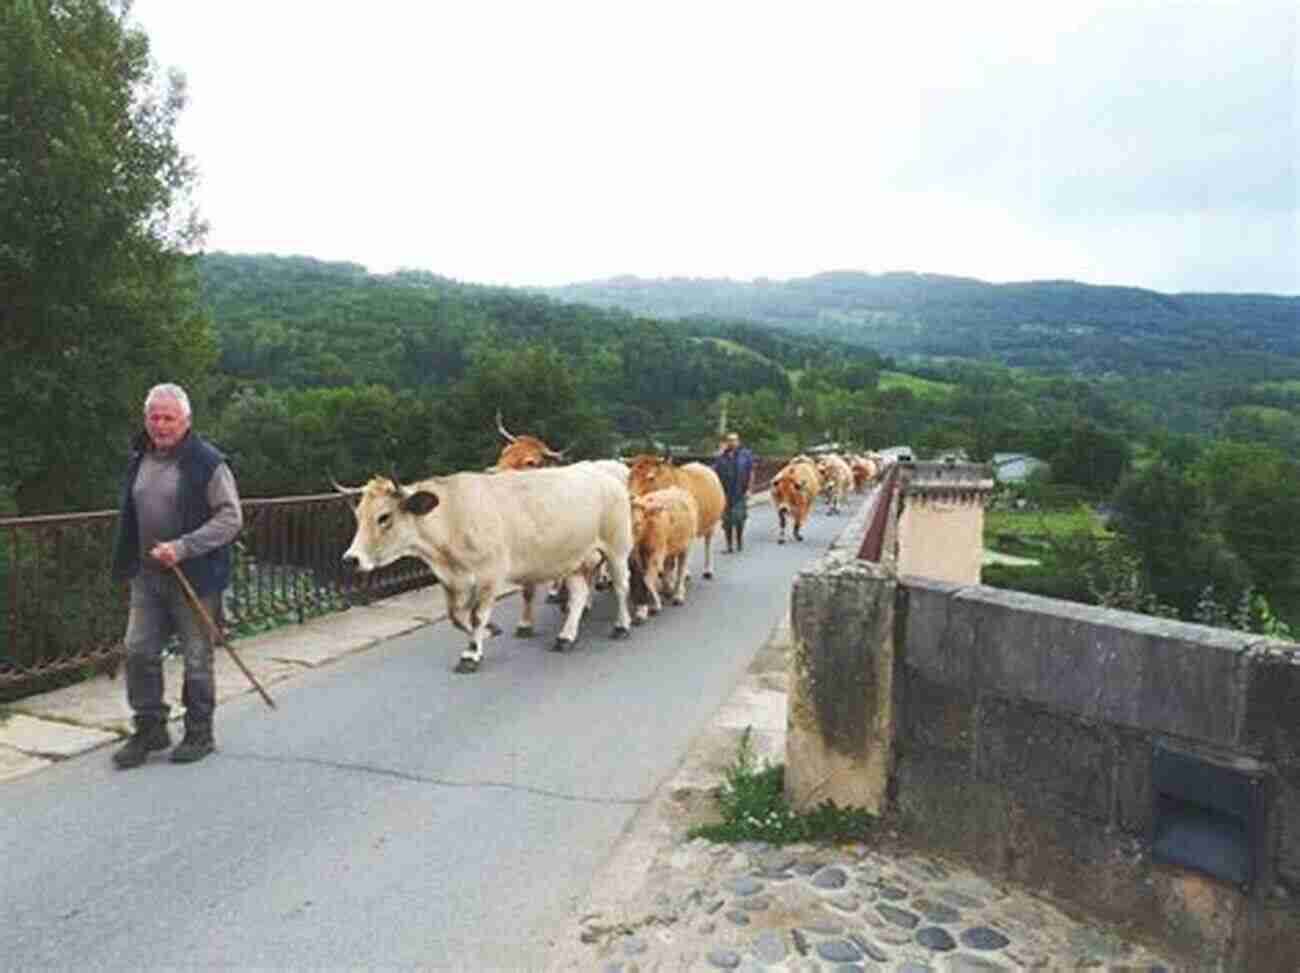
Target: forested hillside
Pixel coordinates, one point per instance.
(314, 354)
(1046, 324)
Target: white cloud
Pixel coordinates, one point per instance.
(540, 143)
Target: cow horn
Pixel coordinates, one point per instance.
(397, 484)
(346, 491)
(502, 429)
(558, 453)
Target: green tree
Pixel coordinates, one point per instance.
(100, 300)
(1168, 518)
(1088, 456)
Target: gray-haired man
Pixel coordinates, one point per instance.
(179, 507)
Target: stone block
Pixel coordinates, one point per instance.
(935, 717)
(1045, 758)
(1133, 794)
(1144, 673)
(939, 803)
(1198, 915)
(840, 736)
(1286, 812)
(15, 763)
(1269, 936)
(47, 738)
(1079, 860)
(925, 608)
(1272, 719)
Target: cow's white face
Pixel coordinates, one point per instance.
(386, 524)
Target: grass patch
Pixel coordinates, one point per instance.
(1027, 533)
(753, 806)
(922, 388)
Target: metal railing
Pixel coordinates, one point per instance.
(60, 612)
(873, 542)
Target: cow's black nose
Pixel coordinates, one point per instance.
(350, 563)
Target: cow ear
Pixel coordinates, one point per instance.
(420, 503)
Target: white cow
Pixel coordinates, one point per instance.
(479, 532)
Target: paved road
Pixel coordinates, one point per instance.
(390, 812)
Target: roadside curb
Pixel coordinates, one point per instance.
(42, 730)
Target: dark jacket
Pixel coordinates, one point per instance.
(735, 469)
(198, 460)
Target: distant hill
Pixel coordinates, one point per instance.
(1044, 324)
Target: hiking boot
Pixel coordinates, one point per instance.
(198, 743)
(149, 735)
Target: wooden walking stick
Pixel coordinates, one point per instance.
(215, 632)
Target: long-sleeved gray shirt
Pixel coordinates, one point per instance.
(158, 512)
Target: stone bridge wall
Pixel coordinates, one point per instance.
(1054, 743)
(1027, 738)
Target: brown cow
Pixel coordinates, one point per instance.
(650, 473)
(794, 492)
(663, 526)
(864, 471)
(523, 452)
(837, 480)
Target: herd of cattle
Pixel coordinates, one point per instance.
(528, 523)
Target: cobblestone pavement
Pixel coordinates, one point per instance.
(755, 907)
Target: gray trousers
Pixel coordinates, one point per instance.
(159, 610)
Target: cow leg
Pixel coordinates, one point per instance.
(455, 610)
(708, 554)
(576, 585)
(525, 627)
(554, 595)
(679, 585)
(798, 524)
(654, 573)
(619, 573)
(780, 519)
(483, 598)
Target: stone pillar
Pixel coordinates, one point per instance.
(941, 527)
(840, 733)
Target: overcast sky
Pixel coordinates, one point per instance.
(1150, 144)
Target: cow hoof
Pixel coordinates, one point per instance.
(679, 601)
(467, 665)
(524, 631)
(603, 586)
(654, 611)
(780, 540)
(638, 620)
(553, 597)
(708, 575)
(493, 629)
(620, 632)
(562, 645)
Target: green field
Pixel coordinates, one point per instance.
(922, 388)
(1026, 533)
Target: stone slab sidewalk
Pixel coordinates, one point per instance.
(40, 730)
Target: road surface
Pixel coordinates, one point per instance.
(390, 812)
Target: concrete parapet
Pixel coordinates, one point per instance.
(840, 717)
(1030, 737)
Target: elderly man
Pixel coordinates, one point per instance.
(179, 507)
(735, 467)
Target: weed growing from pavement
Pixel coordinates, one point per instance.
(753, 806)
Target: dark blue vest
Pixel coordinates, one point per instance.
(198, 460)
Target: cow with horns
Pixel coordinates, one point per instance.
(478, 533)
